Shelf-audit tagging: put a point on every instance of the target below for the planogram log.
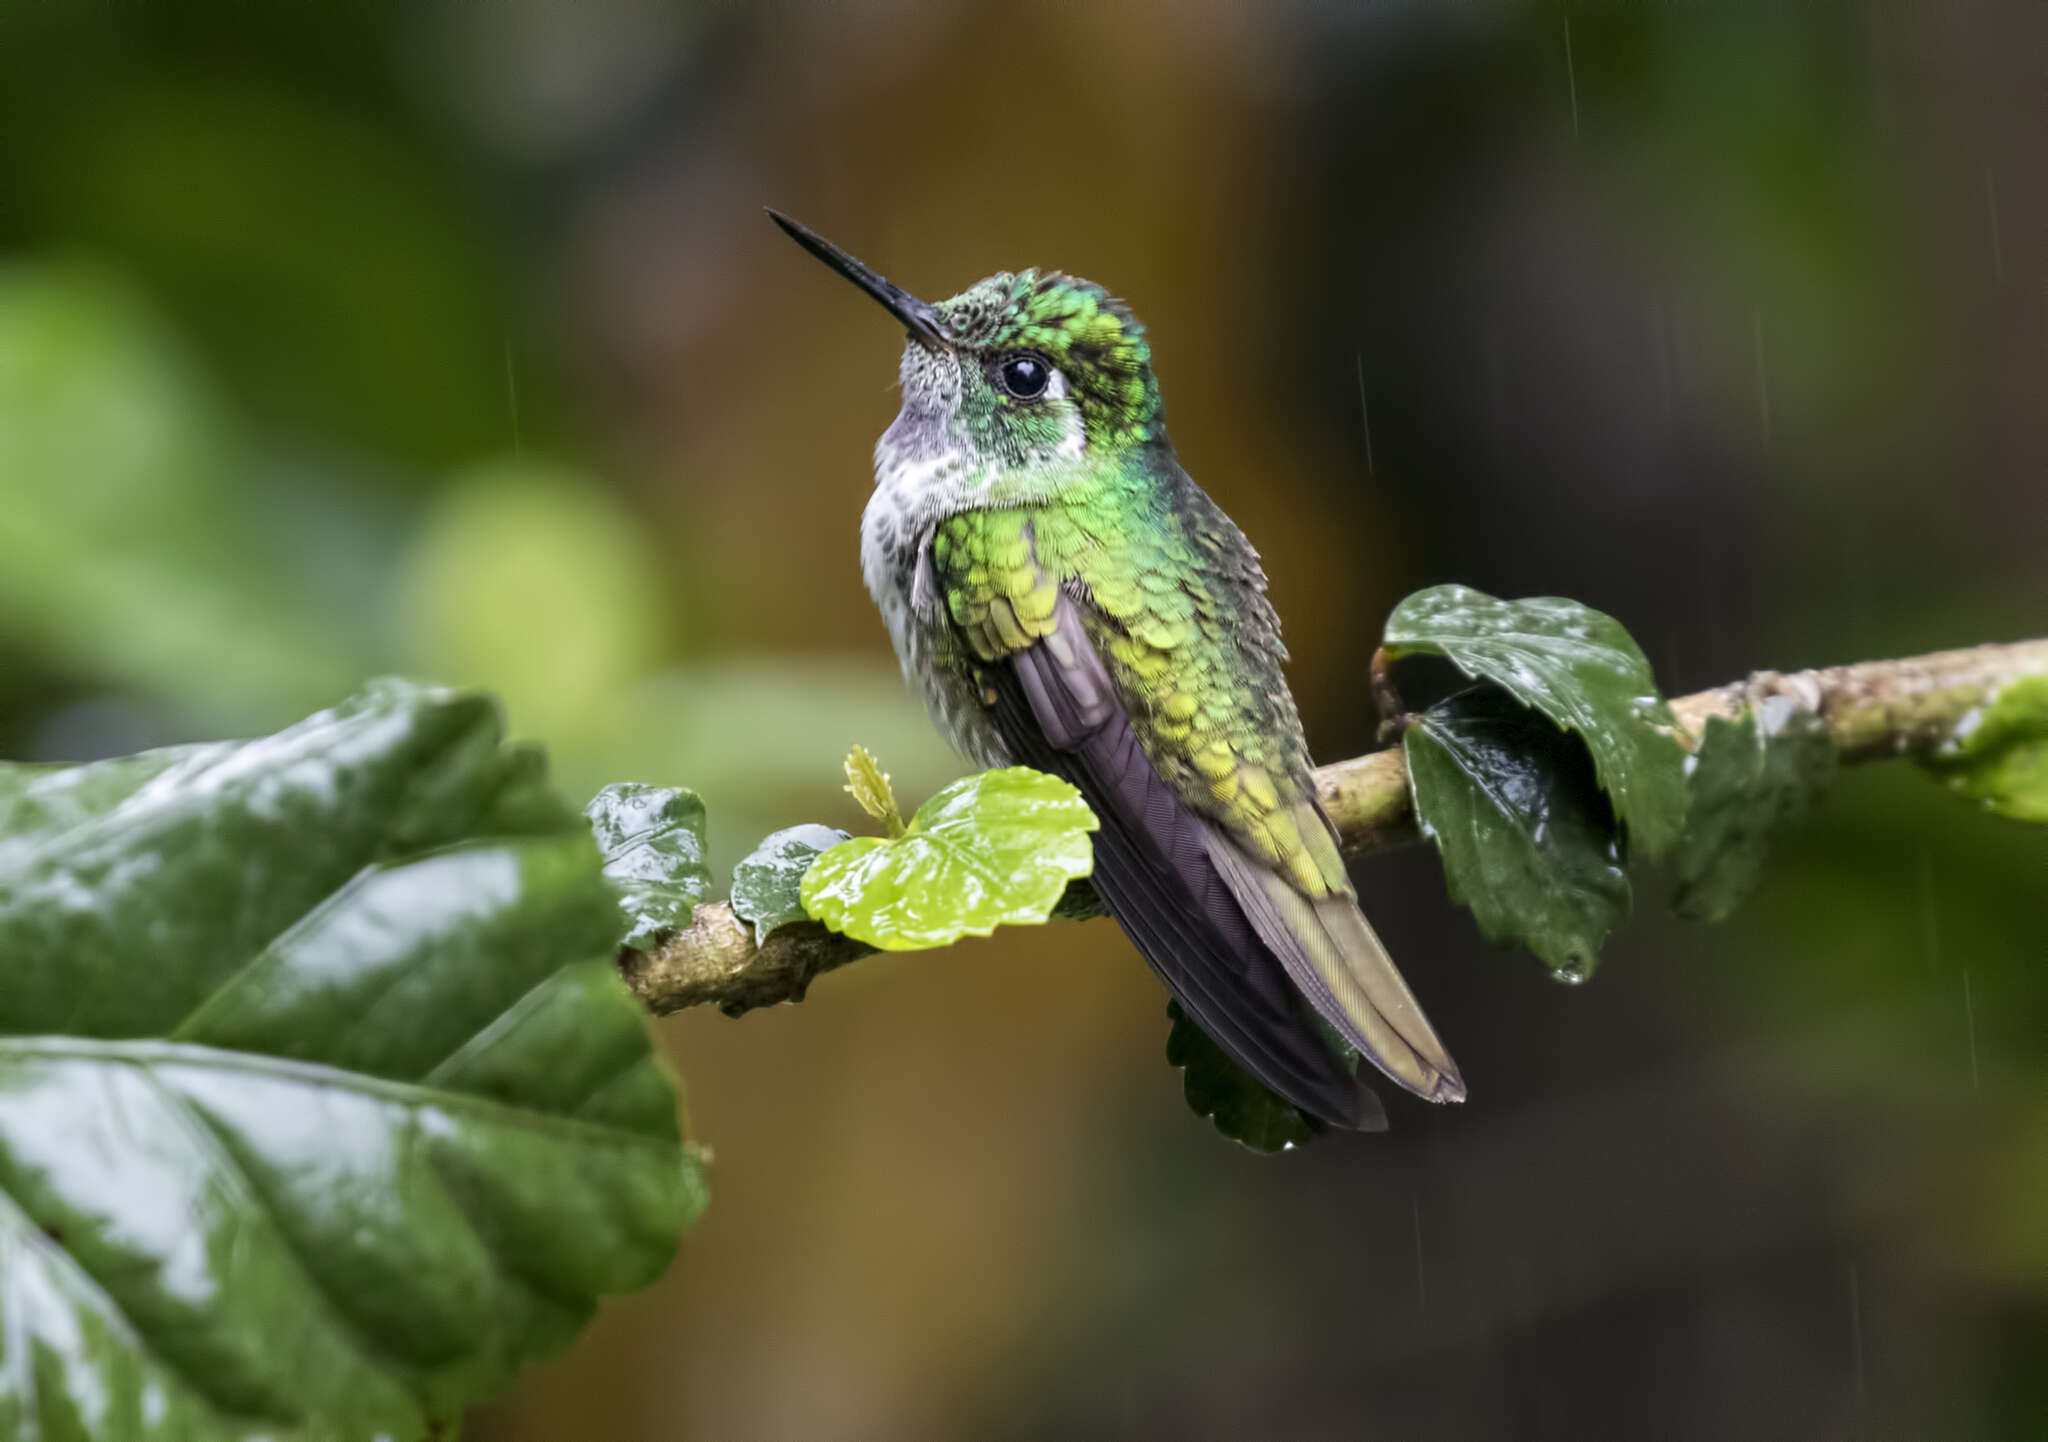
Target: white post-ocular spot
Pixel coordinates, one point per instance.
(1075, 441)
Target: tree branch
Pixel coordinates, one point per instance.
(1873, 710)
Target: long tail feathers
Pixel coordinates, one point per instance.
(1332, 954)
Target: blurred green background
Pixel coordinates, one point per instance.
(449, 338)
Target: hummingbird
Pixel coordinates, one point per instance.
(1067, 598)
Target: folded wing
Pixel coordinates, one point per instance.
(1213, 853)
(1057, 710)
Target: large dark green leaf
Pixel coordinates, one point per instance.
(1578, 667)
(322, 1108)
(1232, 1099)
(1749, 777)
(2000, 753)
(992, 850)
(1527, 839)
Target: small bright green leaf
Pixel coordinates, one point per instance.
(1748, 778)
(1527, 840)
(868, 784)
(991, 850)
(652, 838)
(1235, 1102)
(1999, 755)
(1578, 667)
(767, 887)
(322, 1107)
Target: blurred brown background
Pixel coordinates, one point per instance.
(450, 338)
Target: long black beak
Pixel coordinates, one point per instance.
(917, 315)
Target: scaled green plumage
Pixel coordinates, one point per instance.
(1194, 650)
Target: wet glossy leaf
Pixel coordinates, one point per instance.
(1748, 778)
(991, 850)
(767, 887)
(2000, 753)
(1527, 839)
(1237, 1104)
(1578, 667)
(322, 1109)
(652, 838)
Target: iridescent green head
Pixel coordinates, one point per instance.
(1025, 370)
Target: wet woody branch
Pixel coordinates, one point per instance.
(1873, 710)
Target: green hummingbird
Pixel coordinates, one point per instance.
(1067, 598)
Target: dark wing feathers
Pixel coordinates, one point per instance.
(1056, 709)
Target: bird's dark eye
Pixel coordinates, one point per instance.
(1025, 376)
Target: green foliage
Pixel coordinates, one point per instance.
(322, 1109)
(1578, 667)
(868, 784)
(1527, 840)
(763, 739)
(991, 850)
(127, 548)
(767, 887)
(364, 312)
(530, 578)
(1749, 777)
(1234, 1102)
(2000, 754)
(652, 839)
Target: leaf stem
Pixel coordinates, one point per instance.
(1873, 710)
(1386, 698)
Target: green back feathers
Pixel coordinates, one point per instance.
(1192, 648)
(1089, 336)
